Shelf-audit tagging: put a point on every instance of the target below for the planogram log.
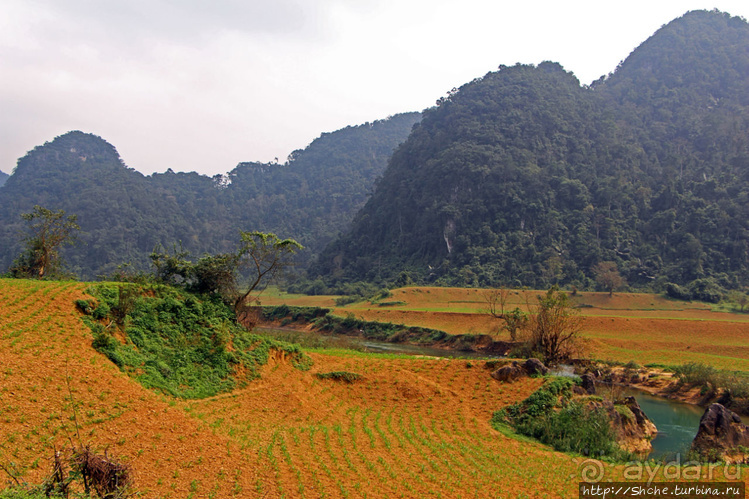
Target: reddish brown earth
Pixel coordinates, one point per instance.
(626, 326)
(410, 427)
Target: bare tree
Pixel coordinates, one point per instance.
(496, 300)
(554, 327)
(496, 305)
(608, 277)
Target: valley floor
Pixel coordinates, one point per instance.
(410, 427)
(628, 326)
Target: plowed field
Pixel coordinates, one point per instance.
(410, 427)
(627, 326)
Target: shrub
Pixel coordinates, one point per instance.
(302, 314)
(677, 292)
(706, 290)
(342, 301)
(101, 311)
(695, 374)
(550, 417)
(85, 306)
(21, 492)
(345, 376)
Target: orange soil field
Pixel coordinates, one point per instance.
(628, 326)
(411, 427)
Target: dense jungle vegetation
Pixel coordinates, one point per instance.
(524, 177)
(124, 214)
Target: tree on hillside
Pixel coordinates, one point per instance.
(216, 274)
(47, 231)
(259, 260)
(265, 256)
(554, 327)
(607, 276)
(171, 268)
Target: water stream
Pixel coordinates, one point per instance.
(374, 346)
(677, 424)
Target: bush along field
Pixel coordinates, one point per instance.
(181, 344)
(321, 319)
(582, 424)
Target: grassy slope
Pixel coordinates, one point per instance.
(628, 326)
(411, 428)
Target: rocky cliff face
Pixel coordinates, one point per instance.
(633, 428)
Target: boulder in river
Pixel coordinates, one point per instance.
(720, 435)
(633, 430)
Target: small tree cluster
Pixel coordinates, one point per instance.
(550, 330)
(258, 261)
(47, 231)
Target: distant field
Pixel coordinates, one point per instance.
(411, 427)
(628, 326)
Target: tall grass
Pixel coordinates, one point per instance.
(735, 385)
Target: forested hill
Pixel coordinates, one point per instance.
(526, 178)
(124, 214)
(314, 197)
(3, 178)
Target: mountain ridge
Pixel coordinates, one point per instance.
(526, 178)
(125, 214)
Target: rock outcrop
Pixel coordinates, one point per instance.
(721, 435)
(515, 370)
(634, 431)
(633, 435)
(588, 383)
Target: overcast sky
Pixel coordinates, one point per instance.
(202, 85)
